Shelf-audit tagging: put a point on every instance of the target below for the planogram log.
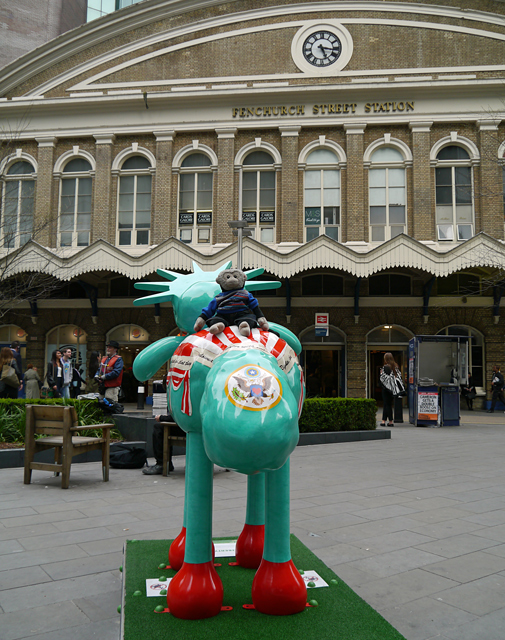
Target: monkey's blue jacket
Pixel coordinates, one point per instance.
(234, 301)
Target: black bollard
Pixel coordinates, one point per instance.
(140, 397)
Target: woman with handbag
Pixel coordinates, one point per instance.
(54, 375)
(10, 374)
(469, 392)
(392, 386)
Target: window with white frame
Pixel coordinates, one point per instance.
(258, 195)
(134, 202)
(16, 220)
(195, 199)
(322, 195)
(387, 194)
(75, 204)
(454, 197)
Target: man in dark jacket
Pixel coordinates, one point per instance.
(497, 388)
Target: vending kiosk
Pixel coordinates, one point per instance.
(438, 365)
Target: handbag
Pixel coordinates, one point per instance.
(9, 376)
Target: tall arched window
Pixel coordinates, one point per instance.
(475, 352)
(16, 221)
(454, 199)
(75, 204)
(322, 195)
(195, 199)
(134, 202)
(387, 194)
(258, 195)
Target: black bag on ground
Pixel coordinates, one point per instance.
(110, 407)
(126, 456)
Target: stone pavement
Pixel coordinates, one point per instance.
(415, 525)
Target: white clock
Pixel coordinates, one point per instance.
(322, 48)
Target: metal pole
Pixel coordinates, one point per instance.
(239, 249)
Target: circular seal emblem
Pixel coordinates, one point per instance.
(253, 388)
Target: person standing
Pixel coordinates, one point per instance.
(54, 375)
(16, 353)
(68, 372)
(94, 364)
(32, 380)
(391, 369)
(110, 373)
(8, 360)
(469, 392)
(496, 387)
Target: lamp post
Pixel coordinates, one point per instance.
(240, 230)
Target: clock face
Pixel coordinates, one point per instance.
(322, 48)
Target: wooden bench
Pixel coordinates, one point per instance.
(170, 440)
(59, 429)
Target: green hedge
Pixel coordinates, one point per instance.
(12, 417)
(338, 414)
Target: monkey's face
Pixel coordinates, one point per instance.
(231, 279)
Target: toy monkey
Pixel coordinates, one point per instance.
(234, 305)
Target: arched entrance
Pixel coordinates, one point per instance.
(64, 336)
(390, 337)
(131, 338)
(323, 362)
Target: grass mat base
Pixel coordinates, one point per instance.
(340, 614)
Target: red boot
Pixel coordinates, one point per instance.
(249, 549)
(176, 551)
(196, 592)
(278, 589)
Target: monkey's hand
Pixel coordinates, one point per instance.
(263, 324)
(199, 324)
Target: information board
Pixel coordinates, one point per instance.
(427, 405)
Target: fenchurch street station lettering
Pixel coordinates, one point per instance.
(347, 108)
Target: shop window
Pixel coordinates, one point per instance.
(454, 197)
(16, 220)
(322, 284)
(259, 195)
(134, 202)
(389, 284)
(75, 204)
(195, 199)
(322, 195)
(387, 195)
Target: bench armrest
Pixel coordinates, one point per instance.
(93, 426)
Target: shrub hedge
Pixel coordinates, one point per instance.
(338, 414)
(12, 417)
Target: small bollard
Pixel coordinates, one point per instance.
(140, 397)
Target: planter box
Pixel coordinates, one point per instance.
(327, 437)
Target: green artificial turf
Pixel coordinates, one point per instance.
(340, 613)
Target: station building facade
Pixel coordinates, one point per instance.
(363, 143)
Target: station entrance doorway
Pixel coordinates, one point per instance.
(389, 338)
(323, 363)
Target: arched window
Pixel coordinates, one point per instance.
(387, 194)
(322, 195)
(68, 336)
(16, 222)
(195, 199)
(134, 202)
(475, 350)
(258, 195)
(75, 204)
(389, 284)
(454, 198)
(322, 284)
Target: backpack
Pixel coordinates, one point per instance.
(127, 456)
(110, 407)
